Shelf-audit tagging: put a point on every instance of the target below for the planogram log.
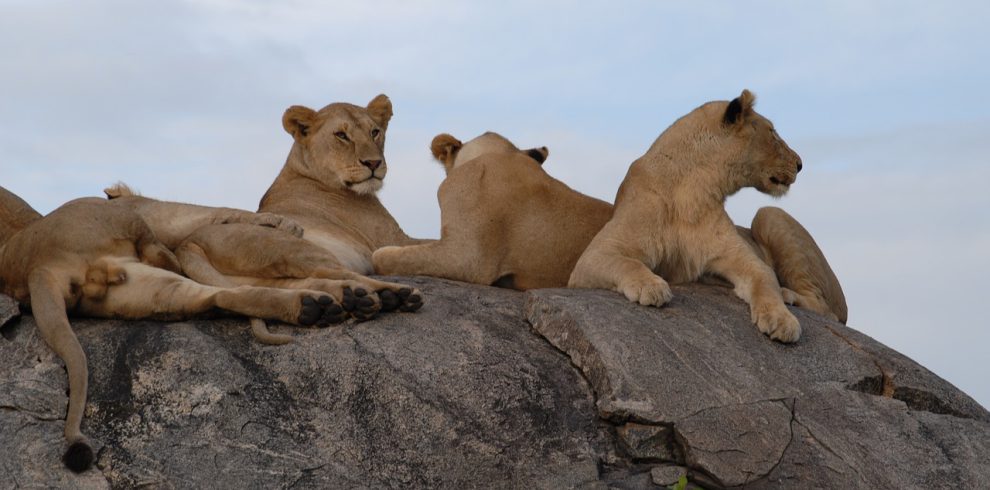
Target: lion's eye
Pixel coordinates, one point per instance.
(342, 135)
(375, 132)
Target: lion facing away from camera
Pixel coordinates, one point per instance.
(505, 221)
(670, 226)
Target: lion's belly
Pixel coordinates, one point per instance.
(347, 254)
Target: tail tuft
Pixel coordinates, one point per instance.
(79, 457)
(119, 189)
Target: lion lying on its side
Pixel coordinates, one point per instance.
(93, 258)
(505, 221)
(669, 219)
(268, 247)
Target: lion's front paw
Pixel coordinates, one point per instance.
(279, 222)
(790, 297)
(653, 291)
(778, 323)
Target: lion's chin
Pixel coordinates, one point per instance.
(368, 186)
(774, 189)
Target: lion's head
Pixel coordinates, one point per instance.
(740, 141)
(450, 152)
(771, 165)
(341, 143)
(762, 157)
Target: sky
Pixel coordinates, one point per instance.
(885, 102)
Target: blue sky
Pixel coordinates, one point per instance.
(885, 101)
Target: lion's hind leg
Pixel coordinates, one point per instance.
(197, 267)
(805, 277)
(48, 292)
(156, 293)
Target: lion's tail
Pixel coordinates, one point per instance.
(48, 305)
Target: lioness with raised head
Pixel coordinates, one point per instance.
(327, 187)
(669, 222)
(92, 258)
(505, 221)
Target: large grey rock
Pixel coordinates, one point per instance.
(493, 388)
(835, 410)
(8, 310)
(458, 394)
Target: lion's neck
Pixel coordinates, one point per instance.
(692, 180)
(333, 209)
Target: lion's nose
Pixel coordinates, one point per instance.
(372, 164)
(799, 165)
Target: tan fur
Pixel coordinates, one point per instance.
(327, 186)
(505, 221)
(669, 223)
(96, 258)
(15, 214)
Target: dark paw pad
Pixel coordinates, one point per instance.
(390, 300)
(79, 457)
(360, 306)
(412, 302)
(310, 312)
(333, 313)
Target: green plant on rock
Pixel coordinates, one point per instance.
(681, 483)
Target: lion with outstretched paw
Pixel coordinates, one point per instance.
(269, 253)
(327, 187)
(670, 226)
(505, 221)
(93, 258)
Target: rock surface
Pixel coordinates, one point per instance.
(493, 388)
(836, 410)
(8, 309)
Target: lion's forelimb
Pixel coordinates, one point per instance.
(755, 283)
(441, 258)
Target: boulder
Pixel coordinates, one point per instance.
(8, 310)
(835, 410)
(487, 387)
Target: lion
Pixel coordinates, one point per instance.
(266, 245)
(670, 226)
(92, 258)
(327, 187)
(505, 220)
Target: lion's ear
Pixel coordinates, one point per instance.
(739, 109)
(380, 110)
(539, 154)
(444, 148)
(299, 121)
